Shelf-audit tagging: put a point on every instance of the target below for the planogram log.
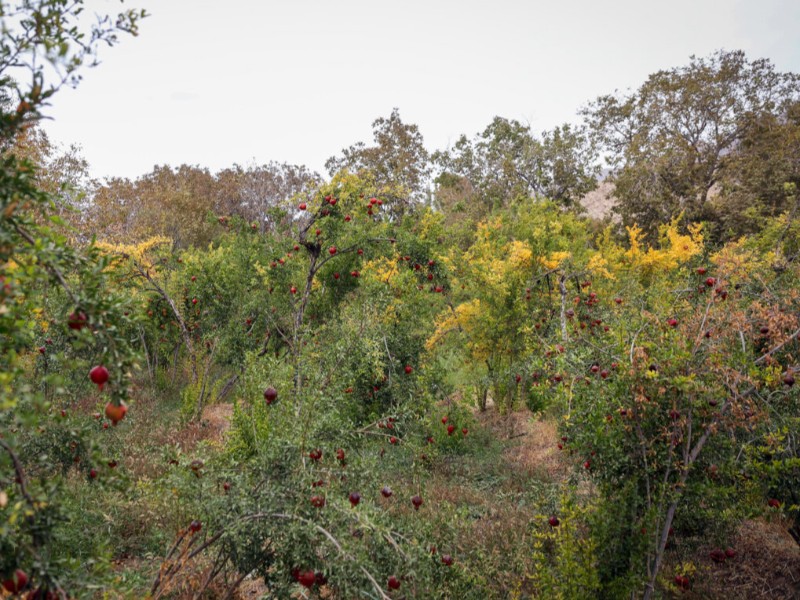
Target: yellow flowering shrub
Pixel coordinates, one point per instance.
(138, 252)
(382, 269)
(520, 256)
(598, 266)
(739, 262)
(676, 248)
(465, 316)
(554, 259)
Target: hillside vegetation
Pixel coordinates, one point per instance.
(422, 375)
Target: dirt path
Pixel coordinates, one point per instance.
(767, 562)
(534, 448)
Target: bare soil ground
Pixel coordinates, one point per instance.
(766, 566)
(535, 450)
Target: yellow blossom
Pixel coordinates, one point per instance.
(554, 259)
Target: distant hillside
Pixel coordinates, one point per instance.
(600, 202)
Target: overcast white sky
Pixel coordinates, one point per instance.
(212, 82)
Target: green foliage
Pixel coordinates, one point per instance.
(707, 139)
(564, 561)
(38, 265)
(398, 162)
(506, 162)
(666, 368)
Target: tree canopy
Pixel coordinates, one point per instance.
(677, 143)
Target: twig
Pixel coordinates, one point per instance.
(19, 471)
(777, 348)
(169, 555)
(52, 268)
(187, 339)
(234, 586)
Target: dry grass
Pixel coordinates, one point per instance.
(496, 537)
(535, 451)
(149, 428)
(161, 433)
(499, 532)
(251, 589)
(766, 566)
(212, 426)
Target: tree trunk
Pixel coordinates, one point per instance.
(483, 394)
(563, 288)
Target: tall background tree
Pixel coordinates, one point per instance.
(508, 162)
(177, 202)
(256, 192)
(677, 144)
(761, 177)
(398, 162)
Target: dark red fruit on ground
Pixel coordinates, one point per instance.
(307, 578)
(77, 320)
(717, 555)
(16, 582)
